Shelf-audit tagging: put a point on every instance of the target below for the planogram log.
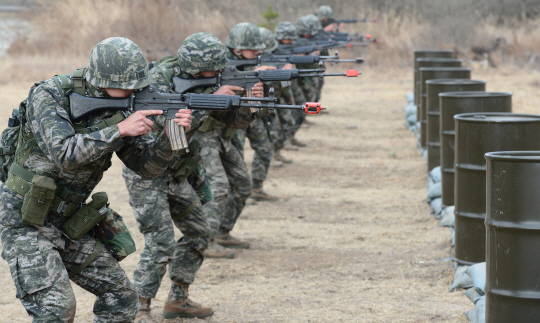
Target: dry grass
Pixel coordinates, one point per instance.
(352, 242)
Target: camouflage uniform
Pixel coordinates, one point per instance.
(40, 257)
(325, 15)
(164, 200)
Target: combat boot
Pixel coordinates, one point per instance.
(276, 163)
(215, 250)
(228, 241)
(185, 307)
(287, 145)
(144, 316)
(278, 156)
(297, 142)
(259, 195)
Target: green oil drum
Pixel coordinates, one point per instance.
(513, 236)
(452, 103)
(433, 89)
(420, 53)
(435, 73)
(433, 62)
(476, 135)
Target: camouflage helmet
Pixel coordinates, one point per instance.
(202, 52)
(285, 30)
(325, 12)
(245, 36)
(269, 39)
(308, 25)
(118, 63)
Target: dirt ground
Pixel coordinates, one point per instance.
(352, 239)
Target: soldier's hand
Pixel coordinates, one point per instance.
(288, 67)
(228, 90)
(265, 68)
(137, 124)
(184, 118)
(330, 27)
(257, 90)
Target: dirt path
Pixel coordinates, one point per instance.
(352, 241)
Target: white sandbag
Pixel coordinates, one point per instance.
(435, 174)
(434, 191)
(436, 206)
(410, 98)
(472, 294)
(410, 109)
(471, 315)
(461, 279)
(452, 236)
(447, 219)
(448, 209)
(477, 273)
(480, 307)
(411, 120)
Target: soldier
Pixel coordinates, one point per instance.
(246, 36)
(225, 167)
(169, 198)
(57, 165)
(326, 17)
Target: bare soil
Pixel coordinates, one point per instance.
(351, 240)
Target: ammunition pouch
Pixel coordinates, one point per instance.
(38, 200)
(87, 216)
(187, 163)
(229, 133)
(210, 123)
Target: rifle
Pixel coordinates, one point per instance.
(247, 79)
(350, 21)
(150, 99)
(279, 61)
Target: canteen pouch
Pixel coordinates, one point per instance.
(114, 234)
(87, 216)
(38, 200)
(228, 133)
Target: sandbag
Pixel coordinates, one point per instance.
(472, 294)
(434, 191)
(461, 279)
(447, 219)
(452, 236)
(410, 98)
(435, 175)
(477, 273)
(471, 315)
(480, 309)
(436, 206)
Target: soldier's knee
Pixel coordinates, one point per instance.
(118, 304)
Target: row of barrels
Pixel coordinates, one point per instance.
(490, 171)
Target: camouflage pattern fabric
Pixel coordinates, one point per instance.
(118, 63)
(231, 186)
(155, 204)
(39, 268)
(308, 25)
(285, 30)
(202, 52)
(245, 36)
(39, 256)
(257, 132)
(269, 40)
(325, 12)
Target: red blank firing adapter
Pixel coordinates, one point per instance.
(313, 108)
(352, 73)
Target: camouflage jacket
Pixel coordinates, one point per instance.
(76, 161)
(162, 80)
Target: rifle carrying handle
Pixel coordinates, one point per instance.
(177, 135)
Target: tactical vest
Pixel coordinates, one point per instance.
(16, 145)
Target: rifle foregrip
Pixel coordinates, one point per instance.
(303, 59)
(276, 75)
(177, 135)
(210, 102)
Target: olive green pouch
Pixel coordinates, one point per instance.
(114, 234)
(86, 217)
(228, 133)
(38, 200)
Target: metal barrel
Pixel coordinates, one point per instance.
(420, 53)
(477, 134)
(435, 73)
(513, 236)
(452, 103)
(433, 89)
(432, 62)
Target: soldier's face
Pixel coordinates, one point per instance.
(207, 74)
(249, 53)
(118, 93)
(286, 41)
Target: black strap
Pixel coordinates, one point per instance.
(88, 260)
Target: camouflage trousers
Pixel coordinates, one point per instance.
(157, 205)
(285, 127)
(39, 260)
(260, 142)
(231, 186)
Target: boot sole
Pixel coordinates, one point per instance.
(170, 315)
(238, 246)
